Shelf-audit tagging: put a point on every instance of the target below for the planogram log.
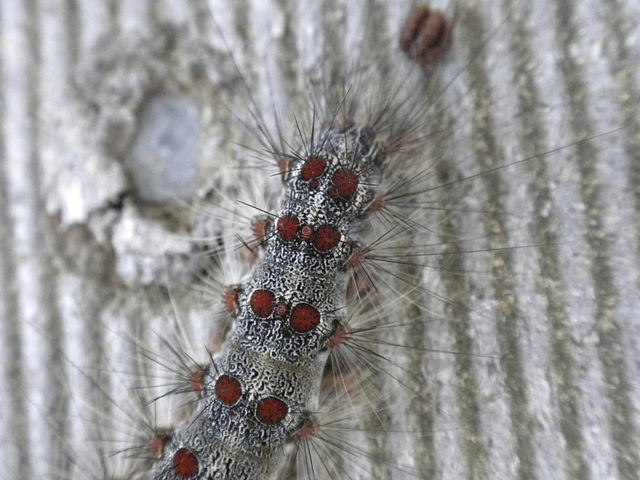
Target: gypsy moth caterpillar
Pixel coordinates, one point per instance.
(485, 400)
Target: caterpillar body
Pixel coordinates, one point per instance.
(355, 247)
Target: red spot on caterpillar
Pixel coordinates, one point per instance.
(158, 443)
(259, 227)
(313, 167)
(355, 259)
(346, 182)
(426, 36)
(281, 309)
(185, 463)
(285, 168)
(338, 337)
(376, 205)
(271, 410)
(304, 318)
(306, 431)
(327, 237)
(287, 227)
(228, 390)
(306, 233)
(197, 381)
(262, 303)
(230, 299)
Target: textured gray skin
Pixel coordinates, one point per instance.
(80, 270)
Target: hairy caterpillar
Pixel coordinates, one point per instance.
(473, 456)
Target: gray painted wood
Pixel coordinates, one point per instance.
(552, 390)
